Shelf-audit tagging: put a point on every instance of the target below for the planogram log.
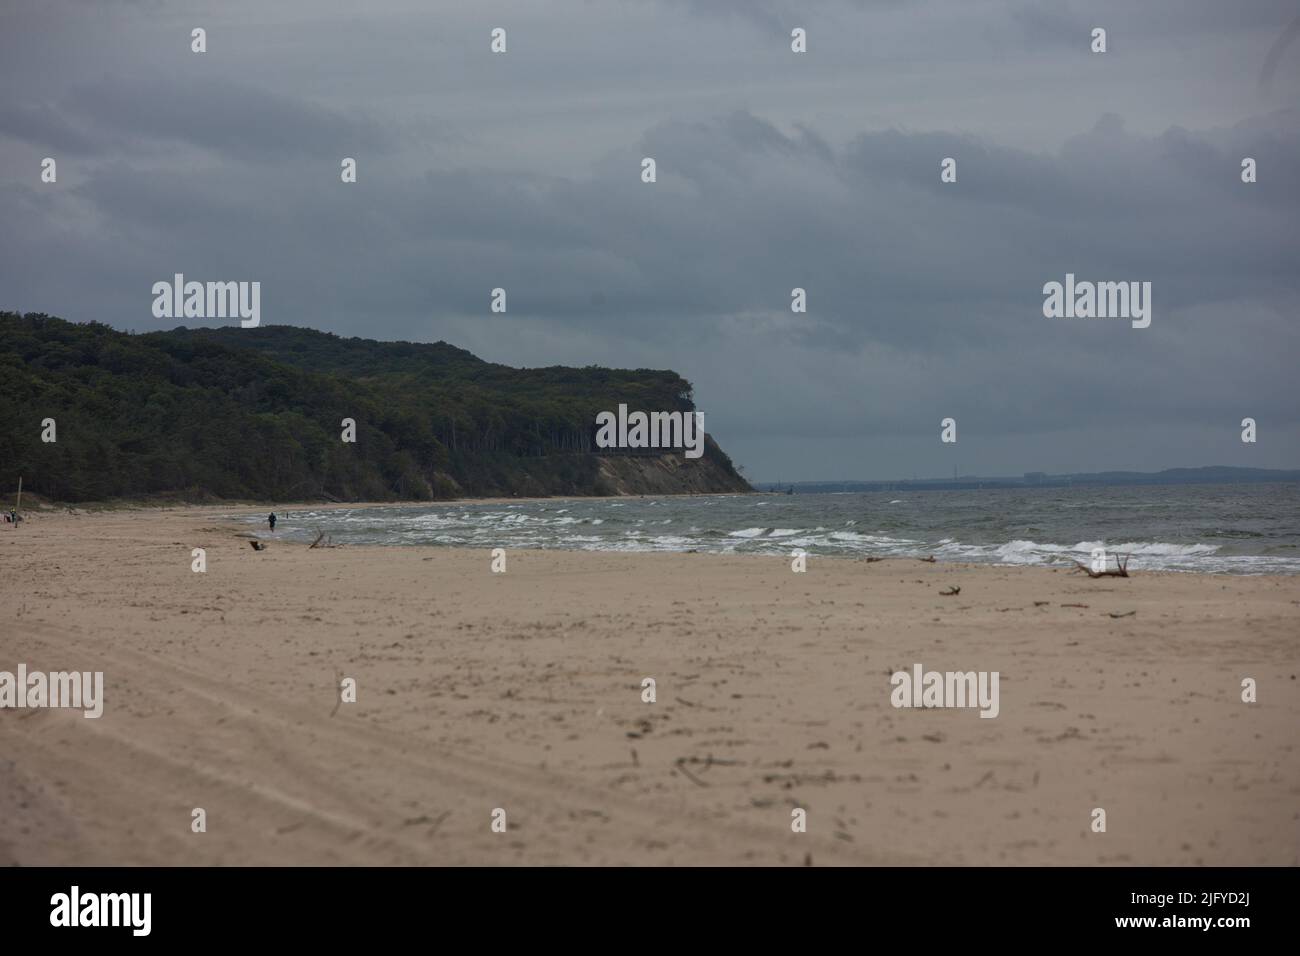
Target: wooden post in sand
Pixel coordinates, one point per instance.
(18, 507)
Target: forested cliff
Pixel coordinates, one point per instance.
(257, 413)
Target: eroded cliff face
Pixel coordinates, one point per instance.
(670, 474)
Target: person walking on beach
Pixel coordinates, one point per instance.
(271, 520)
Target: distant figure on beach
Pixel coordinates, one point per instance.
(271, 520)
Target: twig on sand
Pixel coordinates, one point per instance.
(433, 830)
(1074, 605)
(1125, 614)
(338, 685)
(319, 534)
(681, 765)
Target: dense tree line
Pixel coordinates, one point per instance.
(256, 414)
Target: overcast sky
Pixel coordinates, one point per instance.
(775, 170)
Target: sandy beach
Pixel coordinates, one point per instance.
(523, 691)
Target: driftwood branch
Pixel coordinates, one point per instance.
(1119, 571)
(323, 541)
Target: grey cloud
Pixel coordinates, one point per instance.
(925, 298)
(211, 113)
(45, 126)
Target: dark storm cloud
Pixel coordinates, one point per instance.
(925, 298)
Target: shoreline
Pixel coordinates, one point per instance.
(523, 691)
(923, 554)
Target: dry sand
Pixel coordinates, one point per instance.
(523, 691)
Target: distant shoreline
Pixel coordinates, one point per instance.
(1170, 477)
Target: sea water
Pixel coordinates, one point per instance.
(1239, 528)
